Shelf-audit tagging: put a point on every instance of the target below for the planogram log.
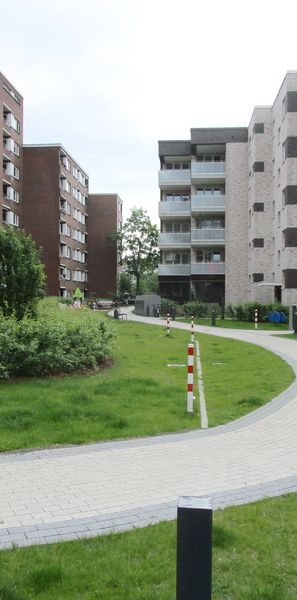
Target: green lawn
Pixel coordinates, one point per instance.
(139, 395)
(254, 558)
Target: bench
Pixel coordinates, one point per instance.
(122, 316)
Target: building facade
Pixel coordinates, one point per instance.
(228, 209)
(11, 140)
(105, 215)
(55, 199)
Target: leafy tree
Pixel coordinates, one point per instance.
(149, 283)
(125, 285)
(21, 273)
(138, 244)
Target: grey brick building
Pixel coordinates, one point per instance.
(228, 208)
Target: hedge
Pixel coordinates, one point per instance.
(50, 345)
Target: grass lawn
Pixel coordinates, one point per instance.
(139, 395)
(254, 558)
(233, 324)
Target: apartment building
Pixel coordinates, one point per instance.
(228, 208)
(105, 216)
(55, 198)
(11, 140)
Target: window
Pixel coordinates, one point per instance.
(176, 258)
(257, 277)
(258, 206)
(66, 163)
(65, 185)
(210, 191)
(258, 128)
(177, 165)
(178, 227)
(258, 242)
(210, 255)
(210, 223)
(177, 197)
(258, 167)
(64, 228)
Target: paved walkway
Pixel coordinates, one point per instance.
(82, 491)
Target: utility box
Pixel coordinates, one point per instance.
(293, 318)
(147, 306)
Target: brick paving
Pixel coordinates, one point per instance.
(83, 491)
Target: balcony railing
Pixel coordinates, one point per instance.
(207, 171)
(208, 268)
(174, 239)
(207, 235)
(174, 269)
(174, 177)
(172, 209)
(208, 203)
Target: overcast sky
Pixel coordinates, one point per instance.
(109, 78)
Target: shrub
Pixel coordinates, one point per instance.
(166, 306)
(197, 309)
(52, 345)
(246, 312)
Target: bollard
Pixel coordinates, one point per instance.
(190, 378)
(213, 316)
(256, 318)
(192, 329)
(168, 324)
(194, 548)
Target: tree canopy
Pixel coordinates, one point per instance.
(22, 275)
(138, 244)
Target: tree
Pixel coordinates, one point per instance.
(138, 244)
(21, 273)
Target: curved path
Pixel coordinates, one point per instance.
(82, 491)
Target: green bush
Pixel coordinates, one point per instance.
(196, 309)
(53, 344)
(166, 306)
(246, 312)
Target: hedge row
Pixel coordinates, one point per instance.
(52, 345)
(246, 312)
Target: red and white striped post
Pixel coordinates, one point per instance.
(256, 318)
(190, 378)
(168, 324)
(192, 329)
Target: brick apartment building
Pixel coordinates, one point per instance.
(105, 215)
(11, 116)
(45, 192)
(55, 192)
(228, 208)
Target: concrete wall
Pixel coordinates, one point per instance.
(236, 223)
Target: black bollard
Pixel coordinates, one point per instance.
(213, 316)
(194, 548)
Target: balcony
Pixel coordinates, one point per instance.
(214, 268)
(207, 172)
(174, 209)
(174, 270)
(208, 204)
(207, 236)
(174, 240)
(177, 178)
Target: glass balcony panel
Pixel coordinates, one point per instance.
(208, 203)
(174, 239)
(212, 268)
(174, 269)
(207, 235)
(181, 209)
